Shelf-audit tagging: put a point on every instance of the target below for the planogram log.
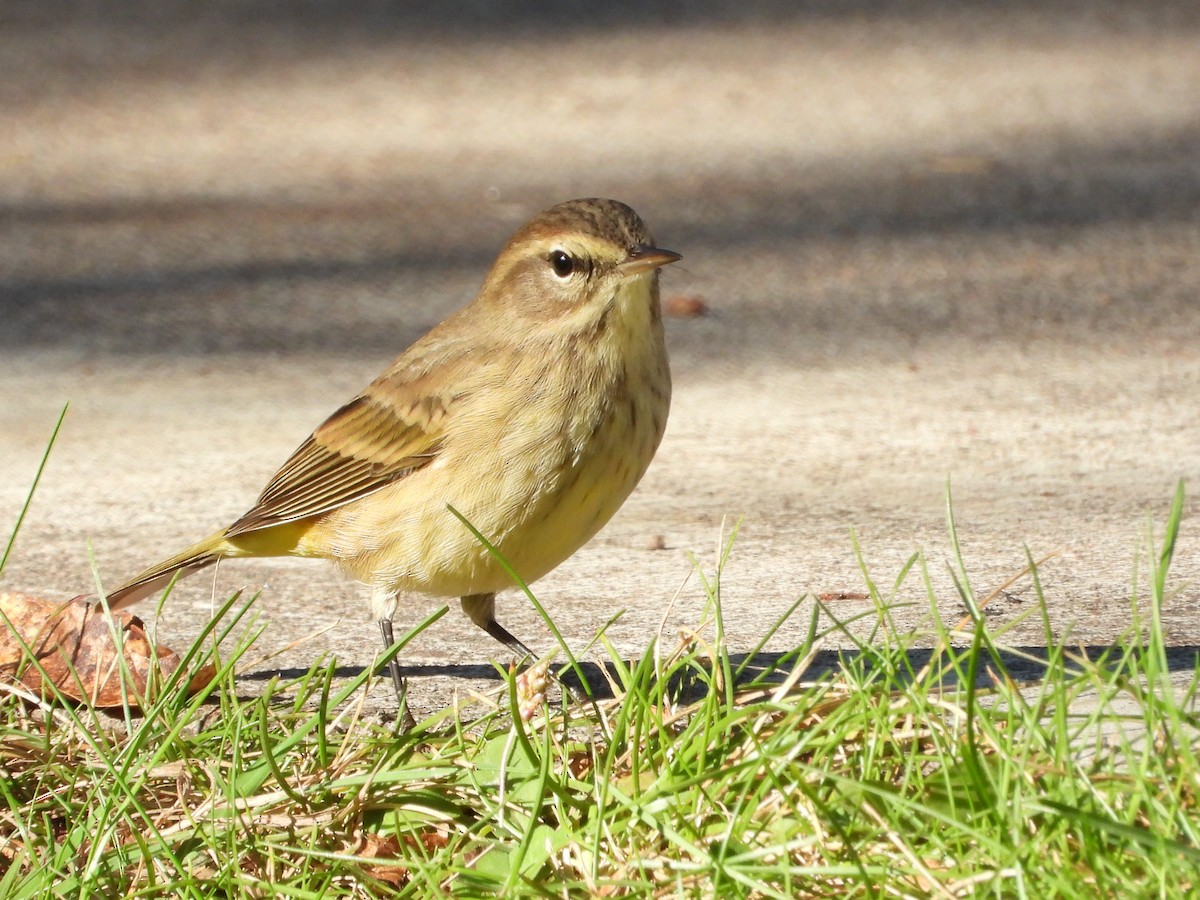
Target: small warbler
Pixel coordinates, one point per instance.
(533, 412)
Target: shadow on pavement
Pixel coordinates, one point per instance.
(1022, 664)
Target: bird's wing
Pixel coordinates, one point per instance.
(395, 427)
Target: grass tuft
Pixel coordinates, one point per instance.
(899, 772)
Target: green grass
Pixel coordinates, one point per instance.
(899, 772)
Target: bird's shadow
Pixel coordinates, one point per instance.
(1021, 664)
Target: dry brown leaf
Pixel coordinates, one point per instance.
(73, 642)
(394, 871)
(376, 847)
(685, 306)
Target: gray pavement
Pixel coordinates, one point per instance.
(938, 242)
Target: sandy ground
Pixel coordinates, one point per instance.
(939, 243)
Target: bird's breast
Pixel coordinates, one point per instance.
(539, 458)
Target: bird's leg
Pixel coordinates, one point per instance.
(385, 628)
(398, 682)
(481, 609)
(383, 607)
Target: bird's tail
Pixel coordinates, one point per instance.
(154, 579)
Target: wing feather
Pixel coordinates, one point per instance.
(366, 445)
(394, 427)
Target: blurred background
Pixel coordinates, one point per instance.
(922, 242)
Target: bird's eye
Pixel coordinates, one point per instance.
(562, 263)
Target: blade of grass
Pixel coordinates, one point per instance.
(12, 538)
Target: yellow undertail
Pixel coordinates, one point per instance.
(278, 540)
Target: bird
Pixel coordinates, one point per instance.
(532, 412)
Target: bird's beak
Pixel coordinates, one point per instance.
(644, 259)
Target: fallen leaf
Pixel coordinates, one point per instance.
(394, 870)
(685, 306)
(376, 847)
(76, 644)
